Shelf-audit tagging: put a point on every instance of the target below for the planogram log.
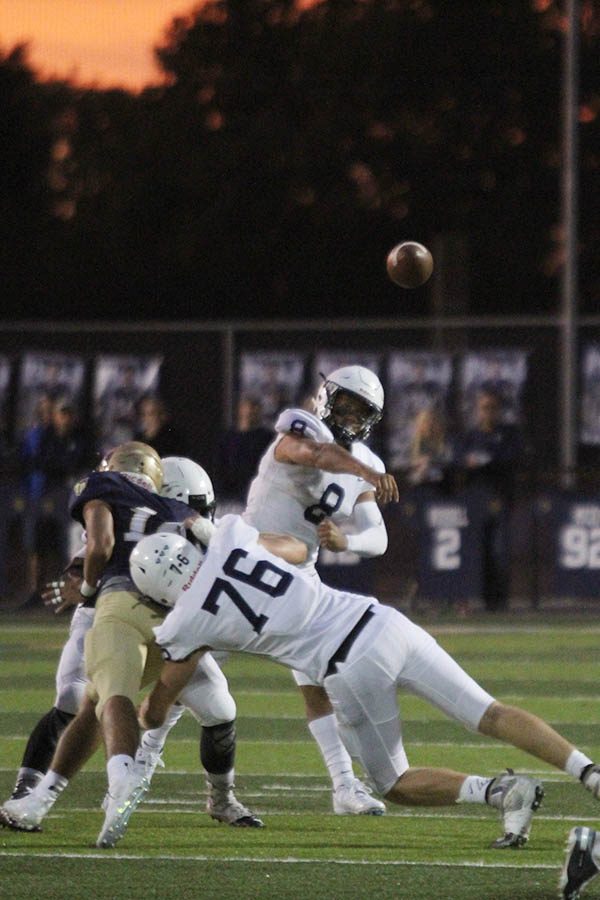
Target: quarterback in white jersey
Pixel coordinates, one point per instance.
(241, 596)
(317, 475)
(292, 498)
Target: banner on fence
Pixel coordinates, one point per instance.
(43, 379)
(503, 371)
(415, 381)
(275, 378)
(120, 382)
(448, 535)
(590, 395)
(568, 536)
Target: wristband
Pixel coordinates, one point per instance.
(86, 590)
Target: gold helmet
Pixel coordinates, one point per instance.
(138, 458)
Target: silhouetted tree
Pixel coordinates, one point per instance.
(289, 149)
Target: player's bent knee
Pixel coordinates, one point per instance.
(316, 701)
(491, 717)
(402, 792)
(69, 700)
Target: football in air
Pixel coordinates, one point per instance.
(409, 264)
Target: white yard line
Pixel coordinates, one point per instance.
(273, 860)
(195, 807)
(546, 774)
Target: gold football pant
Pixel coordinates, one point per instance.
(121, 655)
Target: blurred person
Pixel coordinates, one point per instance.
(155, 427)
(240, 450)
(315, 476)
(431, 451)
(116, 407)
(421, 392)
(33, 484)
(208, 696)
(65, 454)
(10, 500)
(242, 595)
(490, 454)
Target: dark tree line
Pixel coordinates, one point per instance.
(288, 151)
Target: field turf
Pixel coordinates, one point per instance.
(173, 849)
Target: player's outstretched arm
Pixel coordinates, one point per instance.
(173, 678)
(287, 547)
(330, 457)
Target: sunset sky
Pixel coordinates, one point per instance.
(105, 42)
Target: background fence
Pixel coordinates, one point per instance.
(205, 367)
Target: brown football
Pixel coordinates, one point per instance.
(409, 264)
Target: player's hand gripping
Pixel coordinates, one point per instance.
(63, 594)
(386, 489)
(331, 537)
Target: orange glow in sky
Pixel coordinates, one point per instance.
(107, 43)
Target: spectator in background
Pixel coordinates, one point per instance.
(156, 428)
(33, 483)
(65, 454)
(431, 451)
(240, 450)
(490, 454)
(116, 407)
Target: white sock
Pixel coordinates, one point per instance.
(154, 739)
(576, 763)
(118, 767)
(222, 781)
(473, 789)
(336, 757)
(52, 781)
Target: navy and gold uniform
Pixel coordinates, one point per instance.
(136, 512)
(120, 652)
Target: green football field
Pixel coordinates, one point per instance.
(173, 849)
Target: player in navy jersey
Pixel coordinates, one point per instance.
(117, 508)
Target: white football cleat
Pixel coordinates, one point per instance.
(119, 806)
(26, 813)
(517, 797)
(355, 799)
(223, 806)
(591, 780)
(145, 764)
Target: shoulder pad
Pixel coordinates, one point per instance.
(304, 424)
(366, 455)
(80, 486)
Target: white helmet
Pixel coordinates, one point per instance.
(359, 382)
(163, 566)
(185, 480)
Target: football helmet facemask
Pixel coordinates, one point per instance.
(163, 566)
(185, 480)
(138, 459)
(350, 402)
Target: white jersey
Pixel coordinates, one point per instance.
(245, 598)
(290, 499)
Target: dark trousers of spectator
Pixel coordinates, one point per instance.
(495, 560)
